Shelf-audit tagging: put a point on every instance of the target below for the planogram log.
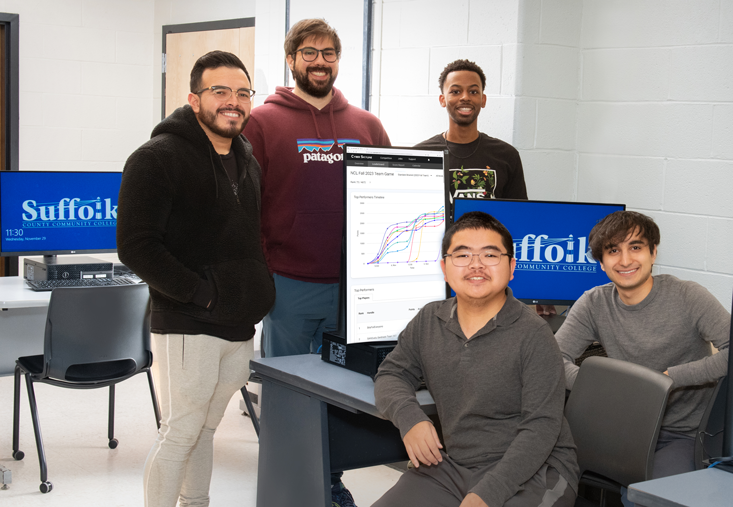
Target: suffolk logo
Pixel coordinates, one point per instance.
(542, 253)
(317, 149)
(70, 212)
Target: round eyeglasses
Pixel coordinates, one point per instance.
(223, 93)
(310, 54)
(463, 258)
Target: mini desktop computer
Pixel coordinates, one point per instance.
(65, 267)
(359, 357)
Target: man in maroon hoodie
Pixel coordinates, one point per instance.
(297, 137)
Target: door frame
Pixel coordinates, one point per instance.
(11, 116)
(197, 27)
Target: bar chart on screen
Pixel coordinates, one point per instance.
(396, 234)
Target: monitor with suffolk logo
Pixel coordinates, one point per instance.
(550, 240)
(54, 212)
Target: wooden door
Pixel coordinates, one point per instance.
(184, 48)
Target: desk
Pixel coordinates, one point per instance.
(318, 418)
(701, 488)
(22, 321)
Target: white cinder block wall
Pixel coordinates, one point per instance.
(547, 89)
(415, 39)
(655, 126)
(86, 73)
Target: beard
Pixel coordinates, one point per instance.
(463, 120)
(231, 128)
(319, 90)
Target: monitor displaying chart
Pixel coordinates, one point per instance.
(395, 222)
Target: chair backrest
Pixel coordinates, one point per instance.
(96, 333)
(615, 411)
(709, 441)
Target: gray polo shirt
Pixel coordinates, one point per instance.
(500, 395)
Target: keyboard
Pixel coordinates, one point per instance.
(44, 285)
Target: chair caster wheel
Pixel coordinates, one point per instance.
(113, 443)
(18, 455)
(46, 487)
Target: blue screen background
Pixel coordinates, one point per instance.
(94, 214)
(547, 280)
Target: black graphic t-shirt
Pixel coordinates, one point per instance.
(487, 168)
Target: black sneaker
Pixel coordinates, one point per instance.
(341, 497)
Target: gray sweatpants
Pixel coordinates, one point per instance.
(447, 484)
(197, 375)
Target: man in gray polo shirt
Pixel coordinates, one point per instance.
(495, 373)
(660, 322)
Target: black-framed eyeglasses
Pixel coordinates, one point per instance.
(224, 92)
(463, 258)
(311, 54)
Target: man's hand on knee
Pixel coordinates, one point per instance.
(423, 445)
(473, 500)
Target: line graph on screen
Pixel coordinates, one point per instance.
(397, 234)
(404, 240)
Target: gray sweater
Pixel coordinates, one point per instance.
(669, 330)
(499, 395)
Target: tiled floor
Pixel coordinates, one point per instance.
(85, 472)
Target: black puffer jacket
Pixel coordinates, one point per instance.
(184, 232)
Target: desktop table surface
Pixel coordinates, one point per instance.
(701, 488)
(14, 293)
(327, 381)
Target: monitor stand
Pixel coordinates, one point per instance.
(362, 358)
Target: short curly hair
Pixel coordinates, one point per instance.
(307, 28)
(462, 65)
(616, 227)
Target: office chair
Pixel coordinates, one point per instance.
(709, 437)
(615, 411)
(95, 337)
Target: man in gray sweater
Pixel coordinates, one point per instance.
(660, 322)
(495, 373)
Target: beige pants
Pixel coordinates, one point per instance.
(197, 377)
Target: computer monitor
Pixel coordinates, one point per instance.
(395, 201)
(58, 212)
(554, 265)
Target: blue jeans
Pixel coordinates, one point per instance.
(302, 311)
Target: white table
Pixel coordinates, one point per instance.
(703, 488)
(22, 321)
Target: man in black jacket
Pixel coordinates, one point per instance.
(189, 226)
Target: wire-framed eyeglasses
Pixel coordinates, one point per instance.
(463, 258)
(224, 92)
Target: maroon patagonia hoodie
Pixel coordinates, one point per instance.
(300, 150)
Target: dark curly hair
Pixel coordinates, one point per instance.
(461, 65)
(616, 227)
